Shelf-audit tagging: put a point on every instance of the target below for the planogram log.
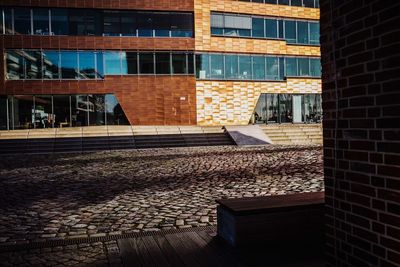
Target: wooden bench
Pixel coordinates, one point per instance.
(283, 218)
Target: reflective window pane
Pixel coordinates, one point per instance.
(80, 108)
(203, 66)
(87, 67)
(51, 62)
(59, 22)
(15, 65)
(315, 67)
(260, 113)
(258, 27)
(283, 2)
(146, 63)
(41, 21)
(112, 62)
(190, 63)
(272, 107)
(302, 32)
(44, 117)
(111, 23)
(33, 64)
(62, 111)
(290, 31)
(131, 58)
(296, 3)
(272, 28)
(231, 67)
(69, 65)
(128, 23)
(313, 108)
(217, 66)
(124, 63)
(314, 33)
(272, 68)
(3, 113)
(245, 70)
(23, 112)
(304, 66)
(285, 108)
(308, 3)
(115, 114)
(163, 63)
(145, 24)
(179, 64)
(258, 68)
(291, 67)
(22, 20)
(97, 110)
(99, 65)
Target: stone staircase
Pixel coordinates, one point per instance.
(294, 133)
(101, 138)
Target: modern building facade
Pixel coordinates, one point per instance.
(187, 62)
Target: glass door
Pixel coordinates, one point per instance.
(297, 109)
(285, 108)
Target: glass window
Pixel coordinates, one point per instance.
(145, 24)
(290, 31)
(51, 64)
(97, 110)
(281, 29)
(3, 113)
(296, 3)
(62, 111)
(80, 108)
(302, 32)
(291, 67)
(190, 63)
(23, 112)
(272, 28)
(314, 33)
(181, 25)
(22, 20)
(281, 68)
(33, 64)
(258, 27)
(272, 68)
(111, 23)
(112, 62)
(304, 66)
(285, 108)
(308, 3)
(163, 63)
(124, 63)
(258, 67)
(99, 65)
(69, 65)
(283, 2)
(231, 67)
(272, 102)
(87, 67)
(217, 21)
(59, 22)
(245, 71)
(115, 114)
(217, 31)
(315, 67)
(15, 65)
(84, 22)
(179, 64)
(128, 23)
(312, 108)
(270, 1)
(203, 66)
(8, 20)
(44, 117)
(41, 21)
(146, 63)
(317, 3)
(162, 24)
(217, 66)
(260, 113)
(231, 32)
(131, 61)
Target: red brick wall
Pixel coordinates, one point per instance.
(361, 100)
(181, 5)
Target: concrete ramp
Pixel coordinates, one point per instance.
(249, 135)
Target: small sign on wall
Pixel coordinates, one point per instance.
(183, 98)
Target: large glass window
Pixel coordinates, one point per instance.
(15, 65)
(245, 69)
(203, 66)
(290, 31)
(80, 108)
(272, 28)
(131, 61)
(87, 66)
(291, 67)
(23, 112)
(296, 3)
(112, 62)
(146, 63)
(3, 113)
(59, 22)
(33, 64)
(314, 33)
(304, 66)
(217, 66)
(260, 113)
(128, 23)
(22, 20)
(145, 24)
(258, 68)
(315, 67)
(41, 24)
(84, 22)
(8, 29)
(111, 23)
(163, 63)
(285, 108)
(231, 67)
(62, 111)
(99, 65)
(302, 32)
(69, 65)
(272, 108)
(51, 64)
(44, 117)
(258, 27)
(179, 64)
(312, 108)
(181, 25)
(114, 113)
(272, 68)
(97, 110)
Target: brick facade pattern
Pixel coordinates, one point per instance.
(360, 57)
(233, 102)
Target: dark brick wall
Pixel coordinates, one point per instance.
(361, 94)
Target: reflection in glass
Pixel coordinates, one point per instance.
(33, 64)
(179, 64)
(231, 67)
(203, 66)
(290, 31)
(314, 33)
(163, 63)
(302, 32)
(115, 114)
(296, 3)
(245, 71)
(272, 68)
(59, 22)
(112, 62)
(51, 62)
(315, 67)
(260, 113)
(291, 67)
(99, 65)
(131, 62)
(8, 20)
(272, 108)
(111, 23)
(62, 111)
(285, 108)
(313, 108)
(258, 68)
(41, 21)
(3, 113)
(44, 117)
(304, 66)
(69, 65)
(87, 68)
(146, 63)
(217, 66)
(128, 23)
(80, 108)
(272, 28)
(190, 63)
(258, 27)
(15, 65)
(23, 113)
(22, 20)
(97, 110)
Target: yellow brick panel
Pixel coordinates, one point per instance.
(233, 102)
